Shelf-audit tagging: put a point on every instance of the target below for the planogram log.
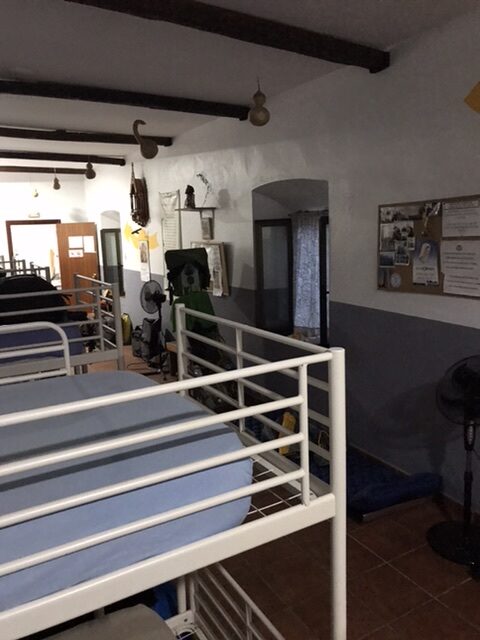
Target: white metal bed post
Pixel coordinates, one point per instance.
(338, 482)
(118, 325)
(179, 327)
(97, 306)
(75, 286)
(303, 428)
(239, 363)
(181, 594)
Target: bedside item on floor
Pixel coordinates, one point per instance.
(133, 623)
(458, 398)
(373, 486)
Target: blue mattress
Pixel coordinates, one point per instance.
(50, 483)
(13, 340)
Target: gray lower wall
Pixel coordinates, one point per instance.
(393, 365)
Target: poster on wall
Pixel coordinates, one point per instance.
(461, 267)
(461, 218)
(425, 262)
(144, 261)
(217, 265)
(170, 214)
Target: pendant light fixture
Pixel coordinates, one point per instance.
(148, 147)
(89, 171)
(56, 182)
(259, 115)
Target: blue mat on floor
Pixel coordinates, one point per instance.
(372, 485)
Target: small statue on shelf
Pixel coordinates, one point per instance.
(190, 199)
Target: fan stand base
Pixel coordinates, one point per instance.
(448, 539)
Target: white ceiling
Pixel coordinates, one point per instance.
(63, 42)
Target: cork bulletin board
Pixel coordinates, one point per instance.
(430, 246)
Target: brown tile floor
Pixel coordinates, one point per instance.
(398, 589)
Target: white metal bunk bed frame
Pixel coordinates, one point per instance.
(317, 501)
(88, 296)
(38, 368)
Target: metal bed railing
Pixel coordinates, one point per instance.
(240, 356)
(99, 334)
(34, 361)
(334, 422)
(316, 501)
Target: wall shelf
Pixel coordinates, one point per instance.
(199, 209)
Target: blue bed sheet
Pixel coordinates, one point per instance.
(50, 483)
(14, 340)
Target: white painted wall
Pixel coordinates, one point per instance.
(404, 134)
(17, 201)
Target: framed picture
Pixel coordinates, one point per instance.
(217, 265)
(144, 261)
(207, 231)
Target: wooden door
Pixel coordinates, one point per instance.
(77, 251)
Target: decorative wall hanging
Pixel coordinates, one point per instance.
(148, 147)
(190, 197)
(135, 238)
(259, 115)
(208, 187)
(139, 200)
(89, 171)
(56, 182)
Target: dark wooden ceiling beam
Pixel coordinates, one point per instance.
(249, 28)
(59, 171)
(61, 157)
(118, 96)
(62, 135)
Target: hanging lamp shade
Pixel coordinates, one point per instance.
(56, 183)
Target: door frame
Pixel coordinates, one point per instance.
(118, 244)
(10, 223)
(258, 252)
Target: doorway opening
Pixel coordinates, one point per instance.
(291, 239)
(36, 245)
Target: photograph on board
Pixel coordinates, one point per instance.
(425, 263)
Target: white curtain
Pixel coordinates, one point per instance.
(306, 274)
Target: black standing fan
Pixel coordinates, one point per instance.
(152, 350)
(458, 398)
(152, 297)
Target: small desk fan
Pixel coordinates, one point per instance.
(458, 399)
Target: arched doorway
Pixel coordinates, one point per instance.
(291, 236)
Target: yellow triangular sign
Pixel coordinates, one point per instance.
(473, 98)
